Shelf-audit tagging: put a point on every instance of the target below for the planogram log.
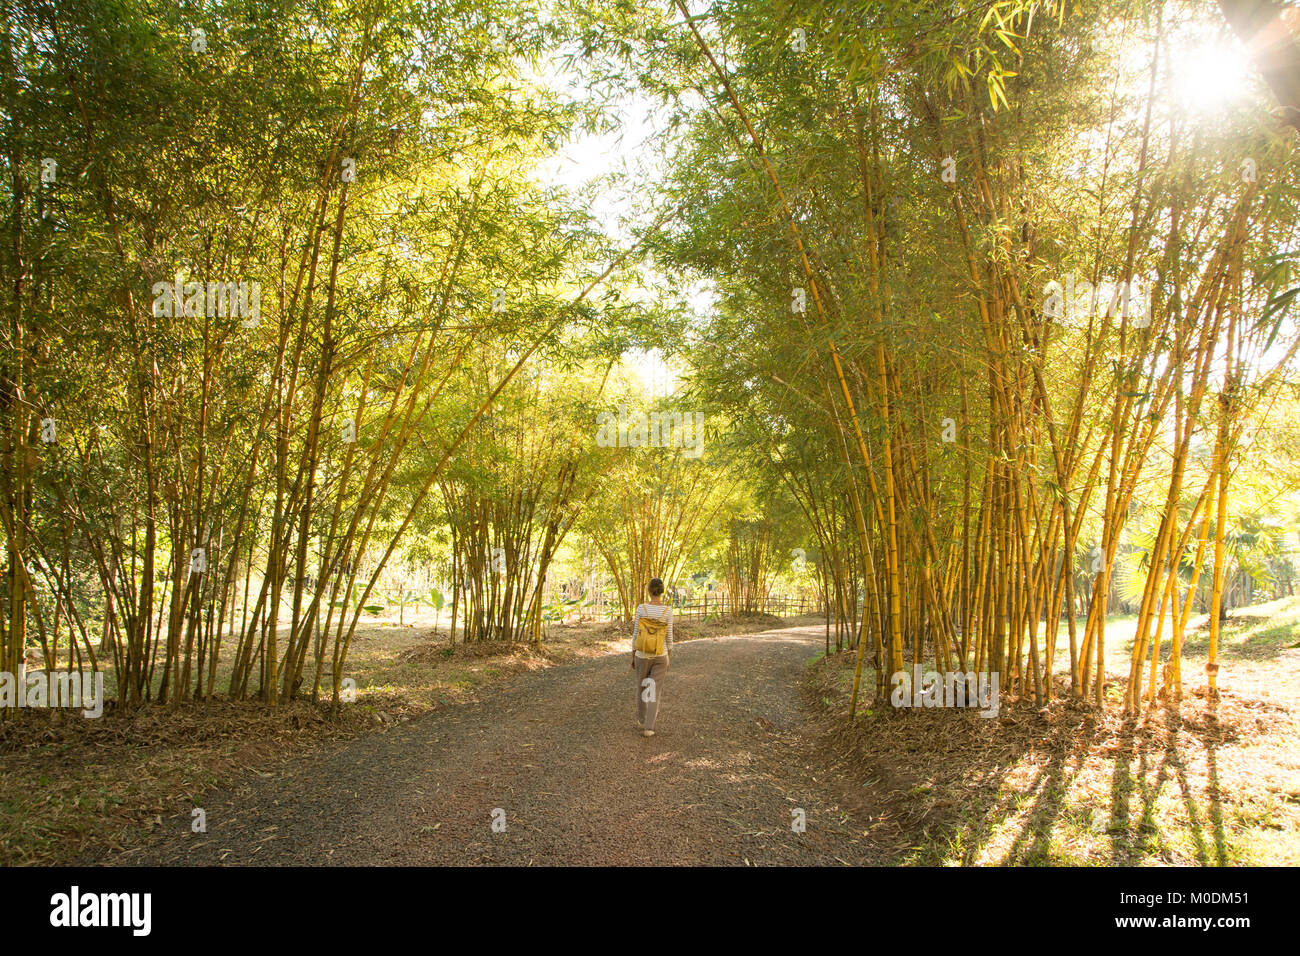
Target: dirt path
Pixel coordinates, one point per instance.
(558, 751)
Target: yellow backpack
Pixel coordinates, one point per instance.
(651, 636)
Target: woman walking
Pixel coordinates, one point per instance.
(652, 646)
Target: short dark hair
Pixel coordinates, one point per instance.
(656, 587)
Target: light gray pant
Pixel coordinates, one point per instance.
(649, 688)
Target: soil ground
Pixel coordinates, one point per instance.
(75, 789)
(556, 757)
(752, 739)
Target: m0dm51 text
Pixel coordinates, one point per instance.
(1154, 899)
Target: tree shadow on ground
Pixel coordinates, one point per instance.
(1062, 785)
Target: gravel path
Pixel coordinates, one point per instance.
(557, 750)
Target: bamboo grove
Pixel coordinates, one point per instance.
(195, 468)
(997, 321)
(990, 296)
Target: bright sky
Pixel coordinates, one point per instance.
(1208, 71)
(633, 151)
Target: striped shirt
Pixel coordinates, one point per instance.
(660, 612)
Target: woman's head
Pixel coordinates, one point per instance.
(656, 587)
